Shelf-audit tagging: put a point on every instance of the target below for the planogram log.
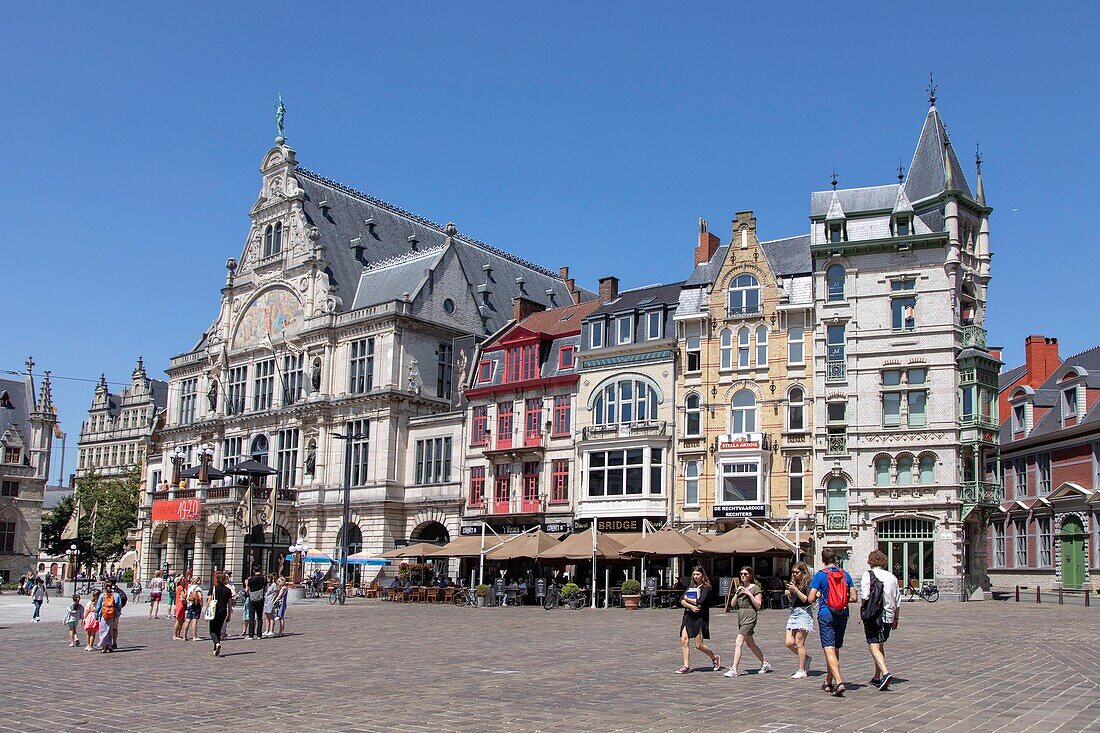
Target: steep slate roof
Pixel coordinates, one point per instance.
(52, 496)
(855, 200)
(631, 299)
(1009, 376)
(789, 256)
(1050, 392)
(391, 279)
(22, 402)
(159, 391)
(932, 156)
(344, 219)
(707, 272)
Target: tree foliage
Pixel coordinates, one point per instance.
(115, 501)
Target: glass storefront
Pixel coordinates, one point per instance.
(909, 546)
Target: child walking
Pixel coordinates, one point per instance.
(74, 614)
(91, 623)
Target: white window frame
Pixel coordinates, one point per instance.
(800, 475)
(624, 329)
(742, 292)
(1020, 557)
(1046, 542)
(691, 483)
(1042, 464)
(731, 468)
(654, 325)
(798, 341)
(689, 412)
(743, 347)
(595, 335)
(746, 412)
(800, 404)
(999, 550)
(725, 349)
(1069, 406)
(693, 345)
(1019, 418)
(761, 351)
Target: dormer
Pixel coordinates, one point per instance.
(836, 224)
(1022, 411)
(1071, 395)
(901, 218)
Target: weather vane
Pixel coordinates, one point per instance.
(978, 156)
(901, 171)
(280, 114)
(931, 89)
(834, 177)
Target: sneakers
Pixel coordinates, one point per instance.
(684, 670)
(884, 683)
(732, 673)
(217, 650)
(717, 662)
(799, 675)
(875, 681)
(765, 668)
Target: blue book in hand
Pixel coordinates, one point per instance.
(692, 595)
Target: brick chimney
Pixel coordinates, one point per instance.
(708, 244)
(1041, 357)
(609, 288)
(570, 285)
(522, 307)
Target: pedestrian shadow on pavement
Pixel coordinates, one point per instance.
(128, 649)
(235, 654)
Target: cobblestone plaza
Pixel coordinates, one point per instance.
(374, 666)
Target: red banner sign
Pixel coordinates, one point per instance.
(176, 510)
(739, 442)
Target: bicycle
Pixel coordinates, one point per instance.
(310, 591)
(59, 590)
(576, 600)
(927, 592)
(465, 597)
(338, 595)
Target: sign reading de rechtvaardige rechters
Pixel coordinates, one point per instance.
(737, 511)
(176, 510)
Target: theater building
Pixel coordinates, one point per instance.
(345, 326)
(743, 420)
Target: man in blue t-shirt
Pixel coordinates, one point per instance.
(831, 622)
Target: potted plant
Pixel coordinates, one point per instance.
(632, 594)
(482, 591)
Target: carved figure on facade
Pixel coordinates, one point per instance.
(315, 374)
(212, 396)
(311, 458)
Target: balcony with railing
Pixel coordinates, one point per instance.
(624, 430)
(836, 444)
(744, 311)
(980, 492)
(836, 520)
(978, 421)
(836, 371)
(974, 335)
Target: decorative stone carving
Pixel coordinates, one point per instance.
(315, 374)
(212, 396)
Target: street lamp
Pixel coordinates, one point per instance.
(299, 550)
(206, 455)
(347, 438)
(72, 565)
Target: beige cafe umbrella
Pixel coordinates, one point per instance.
(468, 546)
(420, 549)
(663, 543)
(530, 546)
(579, 547)
(747, 539)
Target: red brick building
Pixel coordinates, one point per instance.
(1046, 531)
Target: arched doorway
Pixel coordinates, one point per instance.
(188, 550)
(160, 550)
(355, 544)
(909, 545)
(217, 549)
(431, 532)
(266, 552)
(1072, 538)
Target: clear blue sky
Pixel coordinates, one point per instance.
(571, 134)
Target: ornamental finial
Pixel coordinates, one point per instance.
(931, 89)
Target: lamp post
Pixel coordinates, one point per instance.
(177, 465)
(206, 455)
(72, 565)
(347, 437)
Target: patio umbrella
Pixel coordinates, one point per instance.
(579, 547)
(420, 549)
(315, 557)
(365, 558)
(747, 540)
(211, 473)
(250, 468)
(663, 543)
(468, 546)
(531, 546)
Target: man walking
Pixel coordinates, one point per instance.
(881, 612)
(834, 586)
(256, 586)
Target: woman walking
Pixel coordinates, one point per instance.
(194, 609)
(800, 623)
(179, 610)
(38, 593)
(748, 600)
(156, 588)
(269, 607)
(220, 598)
(280, 604)
(696, 622)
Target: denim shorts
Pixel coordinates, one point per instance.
(800, 618)
(831, 630)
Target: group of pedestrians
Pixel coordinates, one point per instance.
(99, 620)
(831, 590)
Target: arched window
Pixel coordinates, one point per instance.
(726, 340)
(744, 295)
(928, 469)
(693, 416)
(277, 245)
(762, 346)
(882, 471)
(743, 348)
(905, 470)
(836, 504)
(626, 401)
(796, 475)
(796, 409)
(258, 452)
(743, 413)
(268, 239)
(834, 283)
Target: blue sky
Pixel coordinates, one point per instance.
(589, 135)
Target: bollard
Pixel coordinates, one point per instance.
(1017, 594)
(1037, 598)
(1059, 595)
(1086, 597)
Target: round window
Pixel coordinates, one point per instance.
(449, 306)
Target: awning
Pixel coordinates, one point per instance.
(530, 546)
(664, 543)
(579, 547)
(315, 557)
(366, 558)
(213, 474)
(747, 540)
(128, 560)
(468, 546)
(420, 549)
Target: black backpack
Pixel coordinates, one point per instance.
(871, 609)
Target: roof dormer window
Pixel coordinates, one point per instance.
(903, 225)
(1069, 404)
(836, 231)
(1018, 418)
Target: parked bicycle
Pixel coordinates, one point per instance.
(927, 592)
(554, 598)
(465, 597)
(59, 589)
(311, 591)
(338, 595)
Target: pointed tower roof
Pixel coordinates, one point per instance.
(934, 164)
(981, 186)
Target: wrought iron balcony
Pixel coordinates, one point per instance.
(836, 519)
(973, 335)
(980, 492)
(744, 311)
(836, 371)
(978, 421)
(836, 444)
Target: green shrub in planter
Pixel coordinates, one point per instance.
(481, 591)
(631, 587)
(569, 589)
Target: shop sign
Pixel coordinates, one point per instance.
(397, 544)
(176, 510)
(557, 527)
(469, 530)
(739, 511)
(613, 524)
(744, 441)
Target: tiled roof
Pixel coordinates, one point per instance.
(21, 398)
(1009, 377)
(855, 200)
(559, 321)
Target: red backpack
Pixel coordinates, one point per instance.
(838, 595)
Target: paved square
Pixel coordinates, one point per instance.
(374, 666)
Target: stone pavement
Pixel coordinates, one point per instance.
(373, 666)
